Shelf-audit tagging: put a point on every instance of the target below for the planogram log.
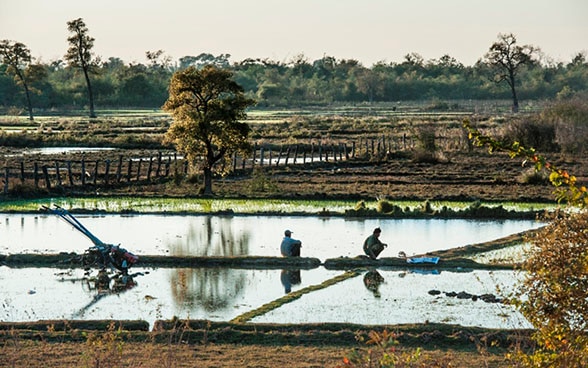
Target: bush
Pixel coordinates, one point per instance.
(555, 294)
(531, 133)
(570, 121)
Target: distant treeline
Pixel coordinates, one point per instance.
(299, 82)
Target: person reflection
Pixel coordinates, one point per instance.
(289, 278)
(372, 281)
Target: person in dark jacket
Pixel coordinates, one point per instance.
(372, 246)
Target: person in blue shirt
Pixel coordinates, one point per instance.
(290, 247)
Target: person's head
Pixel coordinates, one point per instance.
(377, 231)
(287, 233)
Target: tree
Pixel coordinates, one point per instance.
(506, 58)
(206, 106)
(79, 54)
(18, 59)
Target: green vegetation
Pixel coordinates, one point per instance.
(207, 106)
(279, 206)
(442, 84)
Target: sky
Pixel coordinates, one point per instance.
(369, 31)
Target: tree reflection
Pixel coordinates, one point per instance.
(210, 288)
(212, 238)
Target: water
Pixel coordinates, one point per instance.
(215, 294)
(202, 235)
(221, 294)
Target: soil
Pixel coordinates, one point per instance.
(459, 176)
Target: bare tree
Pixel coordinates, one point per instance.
(79, 54)
(506, 58)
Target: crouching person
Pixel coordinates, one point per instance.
(372, 246)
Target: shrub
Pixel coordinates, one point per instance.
(556, 294)
(570, 121)
(531, 133)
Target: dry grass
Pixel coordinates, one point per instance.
(29, 353)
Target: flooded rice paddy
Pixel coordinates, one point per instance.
(205, 235)
(222, 294)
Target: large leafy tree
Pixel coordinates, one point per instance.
(18, 59)
(79, 54)
(207, 106)
(506, 59)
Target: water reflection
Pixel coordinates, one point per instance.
(104, 285)
(372, 281)
(200, 235)
(214, 236)
(289, 278)
(210, 288)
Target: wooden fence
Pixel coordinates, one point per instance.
(75, 173)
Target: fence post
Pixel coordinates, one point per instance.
(57, 173)
(46, 175)
(69, 174)
(129, 170)
(279, 156)
(36, 174)
(287, 155)
(22, 173)
(254, 155)
(149, 168)
(106, 172)
(261, 156)
(158, 164)
(295, 153)
(83, 172)
(6, 176)
(95, 172)
(139, 169)
(119, 169)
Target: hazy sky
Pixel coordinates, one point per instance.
(366, 30)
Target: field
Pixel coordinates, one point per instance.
(390, 162)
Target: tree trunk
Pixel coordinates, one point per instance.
(207, 181)
(29, 104)
(515, 100)
(90, 94)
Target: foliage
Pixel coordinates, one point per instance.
(105, 349)
(554, 294)
(566, 188)
(385, 353)
(570, 119)
(531, 132)
(207, 106)
(298, 82)
(262, 182)
(556, 300)
(18, 59)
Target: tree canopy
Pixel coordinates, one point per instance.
(207, 106)
(506, 58)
